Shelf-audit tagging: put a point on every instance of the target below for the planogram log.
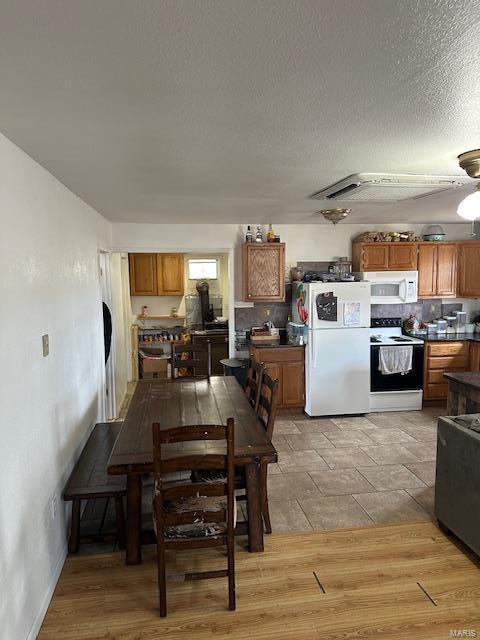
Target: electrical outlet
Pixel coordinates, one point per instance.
(45, 345)
(53, 507)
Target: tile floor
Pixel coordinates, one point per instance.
(353, 471)
(350, 471)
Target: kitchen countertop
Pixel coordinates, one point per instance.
(457, 337)
(468, 378)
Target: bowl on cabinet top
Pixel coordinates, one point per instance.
(433, 233)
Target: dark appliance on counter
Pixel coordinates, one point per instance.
(206, 309)
(216, 326)
(396, 391)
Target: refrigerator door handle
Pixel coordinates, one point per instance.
(314, 352)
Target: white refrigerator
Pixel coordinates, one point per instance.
(337, 353)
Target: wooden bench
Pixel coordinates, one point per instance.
(90, 480)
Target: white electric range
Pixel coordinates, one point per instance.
(395, 392)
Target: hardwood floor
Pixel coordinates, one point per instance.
(402, 581)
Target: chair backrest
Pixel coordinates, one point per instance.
(179, 457)
(267, 403)
(254, 381)
(194, 359)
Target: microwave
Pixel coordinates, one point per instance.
(391, 287)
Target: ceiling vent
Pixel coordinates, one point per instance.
(387, 187)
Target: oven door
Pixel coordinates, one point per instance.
(413, 380)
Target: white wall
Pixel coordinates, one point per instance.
(303, 242)
(49, 285)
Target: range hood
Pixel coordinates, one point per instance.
(387, 187)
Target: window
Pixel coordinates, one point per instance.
(203, 269)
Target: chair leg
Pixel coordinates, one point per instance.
(120, 518)
(75, 526)
(231, 570)
(162, 582)
(264, 498)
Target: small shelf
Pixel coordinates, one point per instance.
(160, 317)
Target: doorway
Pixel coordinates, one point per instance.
(108, 403)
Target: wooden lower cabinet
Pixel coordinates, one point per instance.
(218, 350)
(441, 357)
(287, 365)
(474, 356)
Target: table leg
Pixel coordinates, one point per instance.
(255, 522)
(134, 519)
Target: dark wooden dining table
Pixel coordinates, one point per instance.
(180, 403)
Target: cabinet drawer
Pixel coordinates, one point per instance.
(285, 354)
(435, 376)
(447, 363)
(448, 349)
(436, 391)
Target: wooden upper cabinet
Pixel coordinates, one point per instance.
(156, 274)
(469, 270)
(263, 271)
(402, 256)
(447, 258)
(437, 270)
(143, 274)
(427, 270)
(370, 257)
(170, 269)
(384, 256)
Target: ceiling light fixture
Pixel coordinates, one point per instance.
(469, 207)
(334, 215)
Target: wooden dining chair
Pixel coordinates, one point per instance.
(254, 381)
(194, 514)
(267, 412)
(194, 359)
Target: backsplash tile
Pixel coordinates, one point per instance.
(424, 310)
(247, 317)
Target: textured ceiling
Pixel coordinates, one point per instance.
(236, 110)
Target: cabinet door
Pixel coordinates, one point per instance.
(402, 256)
(170, 274)
(293, 377)
(274, 369)
(446, 270)
(143, 274)
(427, 270)
(469, 280)
(374, 257)
(264, 272)
(475, 356)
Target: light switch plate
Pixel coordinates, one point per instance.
(45, 345)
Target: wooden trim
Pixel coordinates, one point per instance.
(134, 352)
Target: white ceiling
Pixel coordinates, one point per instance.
(236, 110)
